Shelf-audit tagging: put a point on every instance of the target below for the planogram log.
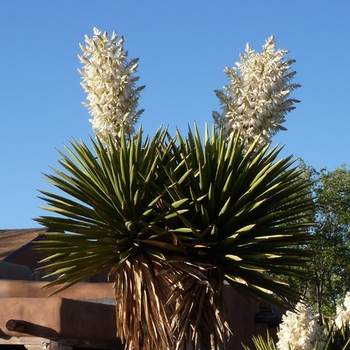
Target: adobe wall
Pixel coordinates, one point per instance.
(59, 318)
(32, 289)
(242, 312)
(69, 314)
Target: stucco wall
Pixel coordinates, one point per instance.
(71, 314)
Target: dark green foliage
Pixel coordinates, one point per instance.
(261, 343)
(196, 213)
(328, 277)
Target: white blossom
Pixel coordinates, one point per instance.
(343, 312)
(108, 79)
(258, 97)
(300, 330)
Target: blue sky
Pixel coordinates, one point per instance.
(183, 47)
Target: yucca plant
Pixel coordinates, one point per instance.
(330, 338)
(245, 221)
(338, 337)
(113, 218)
(173, 219)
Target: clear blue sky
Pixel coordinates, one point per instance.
(183, 46)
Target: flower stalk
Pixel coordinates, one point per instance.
(110, 83)
(301, 330)
(258, 96)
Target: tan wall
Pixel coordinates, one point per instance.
(62, 316)
(59, 318)
(242, 320)
(31, 289)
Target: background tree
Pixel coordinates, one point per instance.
(328, 273)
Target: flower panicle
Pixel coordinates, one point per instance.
(343, 313)
(109, 80)
(258, 96)
(301, 330)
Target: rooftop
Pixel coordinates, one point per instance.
(13, 241)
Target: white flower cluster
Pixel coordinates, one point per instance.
(256, 101)
(343, 313)
(300, 330)
(108, 79)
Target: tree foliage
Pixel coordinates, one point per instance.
(328, 277)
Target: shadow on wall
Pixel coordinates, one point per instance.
(9, 271)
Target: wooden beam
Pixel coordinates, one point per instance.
(16, 325)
